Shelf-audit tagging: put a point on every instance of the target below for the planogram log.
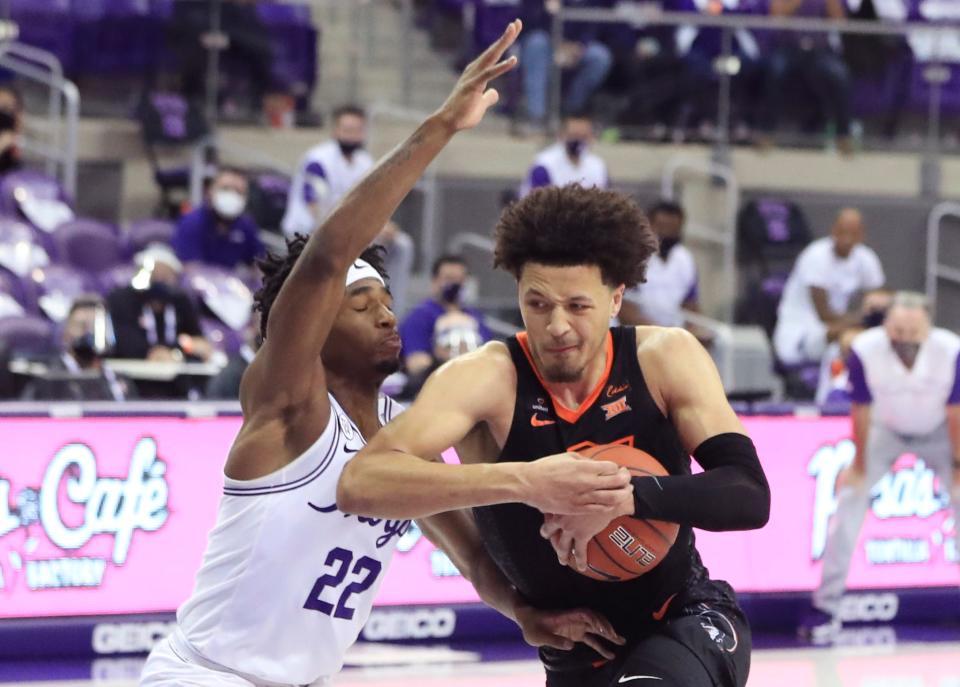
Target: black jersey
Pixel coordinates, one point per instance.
(620, 410)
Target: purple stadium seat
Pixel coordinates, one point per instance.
(220, 336)
(57, 286)
(222, 292)
(14, 287)
(38, 198)
(20, 247)
(88, 245)
(294, 41)
(115, 37)
(142, 233)
(115, 277)
(27, 335)
(49, 25)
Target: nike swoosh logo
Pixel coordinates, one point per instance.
(351, 449)
(658, 615)
(537, 422)
(628, 678)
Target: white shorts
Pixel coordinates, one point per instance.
(800, 341)
(165, 668)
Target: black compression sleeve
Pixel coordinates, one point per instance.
(731, 494)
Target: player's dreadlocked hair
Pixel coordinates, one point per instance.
(573, 225)
(276, 268)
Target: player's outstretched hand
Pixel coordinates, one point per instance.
(568, 483)
(562, 629)
(471, 98)
(570, 534)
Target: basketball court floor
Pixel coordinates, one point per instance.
(863, 657)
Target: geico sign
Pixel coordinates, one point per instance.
(424, 623)
(869, 608)
(128, 638)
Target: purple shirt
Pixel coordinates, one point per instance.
(197, 239)
(416, 330)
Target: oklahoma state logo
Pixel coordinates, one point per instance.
(616, 407)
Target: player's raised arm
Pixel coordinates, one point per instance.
(389, 478)
(301, 316)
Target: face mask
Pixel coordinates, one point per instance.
(160, 292)
(348, 148)
(906, 351)
(575, 147)
(451, 293)
(228, 204)
(84, 349)
(666, 245)
(873, 318)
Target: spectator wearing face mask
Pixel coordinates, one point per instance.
(11, 124)
(152, 318)
(418, 328)
(218, 232)
(672, 283)
(77, 372)
(569, 160)
(328, 171)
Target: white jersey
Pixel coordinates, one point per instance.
(670, 283)
(287, 580)
(324, 176)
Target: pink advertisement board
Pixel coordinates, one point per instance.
(110, 516)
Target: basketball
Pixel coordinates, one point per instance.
(628, 547)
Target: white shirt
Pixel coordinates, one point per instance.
(553, 167)
(670, 283)
(324, 176)
(908, 401)
(287, 580)
(819, 266)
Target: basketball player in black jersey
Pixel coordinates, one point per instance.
(567, 382)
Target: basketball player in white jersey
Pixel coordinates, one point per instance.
(288, 580)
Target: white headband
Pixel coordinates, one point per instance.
(361, 269)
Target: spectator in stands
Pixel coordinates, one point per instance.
(218, 232)
(810, 59)
(399, 261)
(152, 318)
(582, 51)
(569, 160)
(454, 333)
(419, 326)
(820, 293)
(77, 373)
(328, 171)
(11, 124)
(247, 46)
(905, 388)
(672, 284)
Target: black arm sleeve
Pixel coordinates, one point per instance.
(731, 494)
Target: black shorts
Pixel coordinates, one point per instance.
(704, 645)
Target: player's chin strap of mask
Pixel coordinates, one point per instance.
(361, 269)
(730, 494)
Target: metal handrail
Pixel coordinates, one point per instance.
(727, 239)
(44, 67)
(935, 269)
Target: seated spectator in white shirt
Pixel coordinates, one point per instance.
(328, 171)
(569, 160)
(672, 284)
(819, 299)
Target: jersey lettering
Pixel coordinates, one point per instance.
(366, 569)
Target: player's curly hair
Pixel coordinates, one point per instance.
(276, 268)
(573, 225)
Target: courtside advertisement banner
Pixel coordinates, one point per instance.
(110, 516)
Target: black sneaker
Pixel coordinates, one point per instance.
(819, 627)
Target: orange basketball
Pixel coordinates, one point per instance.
(628, 547)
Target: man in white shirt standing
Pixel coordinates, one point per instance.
(672, 284)
(569, 160)
(328, 171)
(818, 299)
(905, 387)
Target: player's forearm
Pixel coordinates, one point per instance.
(362, 213)
(731, 494)
(391, 484)
(455, 533)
